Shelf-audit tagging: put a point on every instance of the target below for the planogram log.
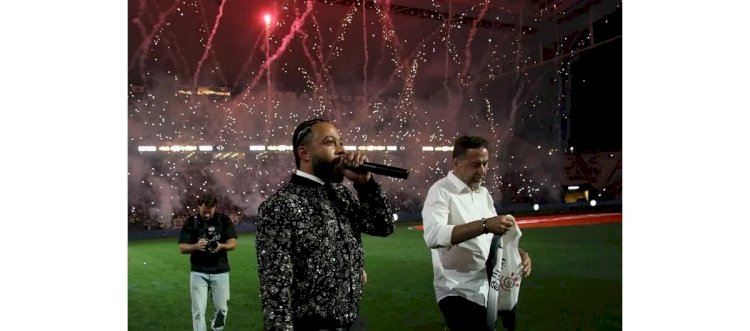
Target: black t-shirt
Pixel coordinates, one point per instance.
(219, 228)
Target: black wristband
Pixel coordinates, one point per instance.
(484, 226)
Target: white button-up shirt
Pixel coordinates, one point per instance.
(310, 177)
(459, 270)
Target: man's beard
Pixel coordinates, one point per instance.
(475, 184)
(328, 171)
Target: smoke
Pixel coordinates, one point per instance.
(411, 97)
(142, 51)
(168, 197)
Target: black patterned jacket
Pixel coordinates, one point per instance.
(309, 249)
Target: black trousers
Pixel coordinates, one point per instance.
(508, 318)
(464, 315)
(314, 324)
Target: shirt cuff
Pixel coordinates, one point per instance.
(439, 236)
(444, 235)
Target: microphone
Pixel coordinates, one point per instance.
(381, 169)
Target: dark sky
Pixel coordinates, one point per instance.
(176, 33)
(596, 107)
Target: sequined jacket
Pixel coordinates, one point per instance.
(309, 248)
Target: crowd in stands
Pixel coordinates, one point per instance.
(188, 180)
(143, 221)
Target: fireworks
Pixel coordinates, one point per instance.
(408, 84)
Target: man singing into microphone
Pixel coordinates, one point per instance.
(309, 247)
(459, 220)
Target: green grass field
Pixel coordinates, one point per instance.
(576, 283)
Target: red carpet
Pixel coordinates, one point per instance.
(562, 220)
(559, 220)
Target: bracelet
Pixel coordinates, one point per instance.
(484, 226)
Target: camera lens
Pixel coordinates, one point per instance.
(212, 245)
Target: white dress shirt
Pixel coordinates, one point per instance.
(309, 176)
(459, 270)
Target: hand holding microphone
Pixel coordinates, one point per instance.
(381, 169)
(351, 161)
(364, 166)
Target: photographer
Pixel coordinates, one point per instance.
(207, 237)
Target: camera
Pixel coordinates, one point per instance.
(212, 245)
(210, 234)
